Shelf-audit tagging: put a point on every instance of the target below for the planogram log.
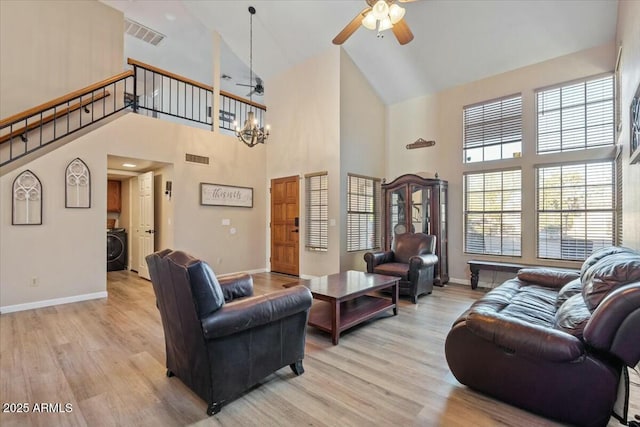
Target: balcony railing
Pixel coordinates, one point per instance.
(161, 92)
(145, 89)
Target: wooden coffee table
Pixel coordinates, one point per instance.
(347, 300)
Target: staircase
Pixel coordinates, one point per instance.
(144, 89)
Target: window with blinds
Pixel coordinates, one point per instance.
(317, 195)
(363, 213)
(576, 116)
(493, 212)
(493, 130)
(576, 209)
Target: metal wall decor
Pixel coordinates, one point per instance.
(77, 190)
(27, 200)
(634, 137)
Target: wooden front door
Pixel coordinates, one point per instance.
(285, 230)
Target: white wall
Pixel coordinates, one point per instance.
(628, 35)
(304, 113)
(50, 48)
(406, 122)
(67, 253)
(440, 116)
(362, 143)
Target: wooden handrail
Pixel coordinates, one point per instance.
(131, 61)
(135, 62)
(241, 99)
(58, 114)
(49, 105)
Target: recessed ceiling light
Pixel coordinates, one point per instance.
(170, 17)
(129, 165)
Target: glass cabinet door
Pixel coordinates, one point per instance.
(397, 221)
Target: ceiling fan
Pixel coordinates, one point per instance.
(257, 89)
(380, 15)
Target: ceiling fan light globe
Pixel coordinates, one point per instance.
(385, 24)
(369, 21)
(380, 10)
(396, 13)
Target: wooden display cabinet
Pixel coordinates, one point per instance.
(417, 204)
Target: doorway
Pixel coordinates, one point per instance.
(285, 225)
(146, 209)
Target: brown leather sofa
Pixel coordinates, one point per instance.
(411, 258)
(220, 340)
(554, 342)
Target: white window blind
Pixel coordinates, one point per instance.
(363, 213)
(493, 130)
(576, 116)
(493, 212)
(576, 209)
(317, 196)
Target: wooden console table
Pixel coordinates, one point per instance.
(476, 265)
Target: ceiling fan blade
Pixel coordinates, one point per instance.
(242, 84)
(351, 27)
(402, 32)
(407, 1)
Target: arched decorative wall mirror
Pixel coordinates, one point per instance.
(77, 190)
(27, 200)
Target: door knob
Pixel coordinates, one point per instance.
(295, 231)
(150, 231)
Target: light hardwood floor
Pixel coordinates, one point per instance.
(106, 358)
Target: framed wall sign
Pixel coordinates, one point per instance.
(225, 195)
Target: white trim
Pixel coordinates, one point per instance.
(257, 270)
(50, 302)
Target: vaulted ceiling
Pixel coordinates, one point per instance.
(456, 41)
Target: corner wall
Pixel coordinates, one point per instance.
(304, 113)
(362, 144)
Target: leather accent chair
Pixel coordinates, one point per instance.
(220, 339)
(555, 342)
(412, 258)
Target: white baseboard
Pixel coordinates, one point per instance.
(459, 281)
(50, 302)
(257, 270)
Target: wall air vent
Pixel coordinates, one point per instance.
(194, 158)
(141, 32)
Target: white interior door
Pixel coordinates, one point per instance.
(145, 222)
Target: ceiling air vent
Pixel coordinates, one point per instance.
(141, 32)
(194, 158)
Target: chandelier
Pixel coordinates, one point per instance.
(382, 15)
(251, 134)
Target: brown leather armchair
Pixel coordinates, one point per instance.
(411, 258)
(220, 340)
